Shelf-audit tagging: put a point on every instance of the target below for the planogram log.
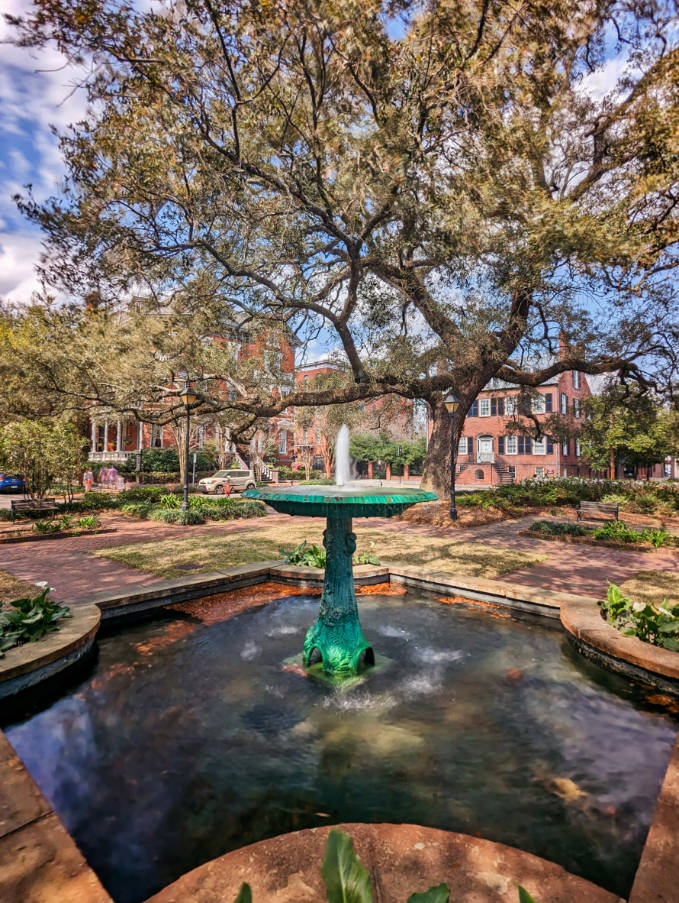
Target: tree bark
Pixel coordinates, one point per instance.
(436, 468)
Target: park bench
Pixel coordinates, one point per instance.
(30, 505)
(597, 511)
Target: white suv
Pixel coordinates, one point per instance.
(239, 480)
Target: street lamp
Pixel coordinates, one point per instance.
(187, 397)
(452, 403)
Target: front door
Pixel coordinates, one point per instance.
(485, 448)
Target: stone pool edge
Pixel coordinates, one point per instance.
(39, 860)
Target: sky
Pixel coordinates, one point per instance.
(38, 90)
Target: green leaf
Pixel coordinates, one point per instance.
(244, 894)
(438, 894)
(346, 879)
(524, 896)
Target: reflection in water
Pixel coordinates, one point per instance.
(194, 736)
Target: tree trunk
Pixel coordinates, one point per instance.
(436, 468)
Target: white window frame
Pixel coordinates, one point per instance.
(565, 448)
(462, 446)
(484, 407)
(577, 408)
(511, 445)
(538, 405)
(540, 446)
(576, 379)
(563, 403)
(539, 471)
(283, 442)
(578, 448)
(510, 405)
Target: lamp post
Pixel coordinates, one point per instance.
(187, 397)
(452, 403)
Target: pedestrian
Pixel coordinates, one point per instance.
(88, 479)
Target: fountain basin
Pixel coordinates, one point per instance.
(344, 501)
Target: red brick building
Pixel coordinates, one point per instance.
(492, 450)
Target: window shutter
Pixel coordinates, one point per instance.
(548, 402)
(501, 407)
(474, 410)
(521, 444)
(550, 443)
(529, 448)
(501, 445)
(470, 445)
(493, 407)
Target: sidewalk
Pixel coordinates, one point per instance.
(75, 574)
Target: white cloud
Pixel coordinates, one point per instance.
(19, 253)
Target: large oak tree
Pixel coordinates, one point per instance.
(434, 187)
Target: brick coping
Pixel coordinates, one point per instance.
(401, 859)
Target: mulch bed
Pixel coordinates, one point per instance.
(591, 541)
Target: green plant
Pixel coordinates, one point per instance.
(305, 554)
(5, 514)
(137, 509)
(347, 880)
(617, 531)
(66, 521)
(655, 624)
(169, 500)
(47, 526)
(141, 494)
(29, 619)
(176, 516)
(557, 528)
(89, 522)
(366, 558)
(658, 537)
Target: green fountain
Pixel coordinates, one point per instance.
(336, 639)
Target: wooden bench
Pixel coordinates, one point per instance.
(32, 505)
(597, 511)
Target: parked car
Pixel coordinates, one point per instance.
(238, 480)
(12, 483)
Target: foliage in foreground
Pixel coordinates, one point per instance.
(655, 624)
(29, 619)
(348, 881)
(311, 555)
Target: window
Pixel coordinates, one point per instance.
(305, 436)
(474, 410)
(577, 407)
(578, 449)
(576, 379)
(563, 403)
(497, 407)
(511, 445)
(539, 471)
(564, 447)
(510, 406)
(537, 404)
(283, 442)
(484, 407)
(479, 474)
(501, 444)
(318, 435)
(462, 446)
(548, 402)
(540, 446)
(524, 445)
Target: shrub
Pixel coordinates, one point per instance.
(176, 516)
(142, 494)
(557, 528)
(29, 619)
(47, 526)
(137, 509)
(170, 500)
(304, 554)
(160, 476)
(89, 522)
(655, 624)
(645, 502)
(5, 514)
(90, 501)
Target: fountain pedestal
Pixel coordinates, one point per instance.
(336, 638)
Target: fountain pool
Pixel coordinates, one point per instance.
(191, 737)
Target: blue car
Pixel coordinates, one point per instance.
(12, 483)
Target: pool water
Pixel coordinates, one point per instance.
(190, 738)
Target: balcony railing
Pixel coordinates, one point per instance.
(485, 457)
(110, 455)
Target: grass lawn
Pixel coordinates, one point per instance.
(175, 557)
(12, 588)
(653, 586)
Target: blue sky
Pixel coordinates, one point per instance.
(37, 90)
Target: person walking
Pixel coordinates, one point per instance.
(88, 479)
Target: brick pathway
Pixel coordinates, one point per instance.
(67, 566)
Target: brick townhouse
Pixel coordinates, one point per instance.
(490, 454)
